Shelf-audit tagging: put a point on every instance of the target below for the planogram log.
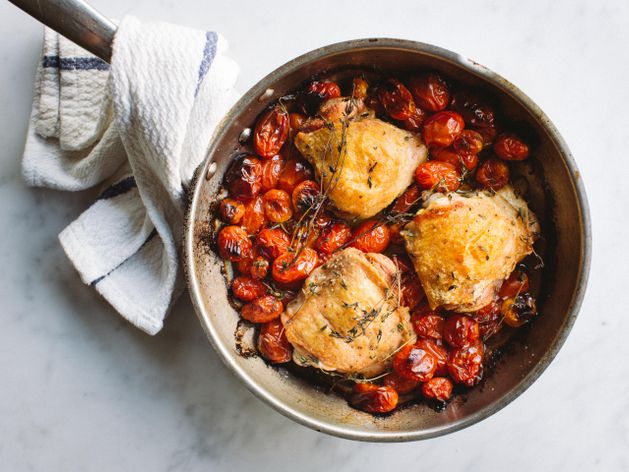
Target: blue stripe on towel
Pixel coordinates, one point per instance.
(209, 52)
(120, 187)
(150, 236)
(75, 63)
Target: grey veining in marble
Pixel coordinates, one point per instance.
(82, 390)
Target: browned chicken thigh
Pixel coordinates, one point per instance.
(464, 245)
(347, 317)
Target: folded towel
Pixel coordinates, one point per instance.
(140, 127)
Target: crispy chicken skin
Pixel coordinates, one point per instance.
(375, 166)
(347, 317)
(464, 246)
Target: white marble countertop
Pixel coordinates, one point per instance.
(82, 390)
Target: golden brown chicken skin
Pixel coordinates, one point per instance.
(347, 317)
(365, 162)
(464, 245)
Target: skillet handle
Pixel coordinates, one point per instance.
(76, 20)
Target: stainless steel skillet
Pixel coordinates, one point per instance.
(561, 198)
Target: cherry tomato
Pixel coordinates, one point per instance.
(324, 89)
(247, 289)
(430, 91)
(371, 236)
(476, 112)
(296, 121)
(231, 211)
(465, 364)
(262, 310)
(460, 330)
(333, 237)
(272, 242)
(359, 88)
(414, 363)
(271, 169)
(489, 320)
(396, 99)
(428, 324)
(373, 399)
(493, 173)
(439, 176)
(254, 217)
(519, 310)
(305, 196)
(437, 388)
(400, 384)
(415, 121)
(442, 128)
(517, 283)
(291, 267)
(468, 142)
(488, 134)
(411, 291)
(259, 267)
(243, 178)
(273, 344)
(233, 243)
(457, 159)
(511, 147)
(277, 206)
(294, 172)
(372, 101)
(438, 351)
(271, 132)
(407, 200)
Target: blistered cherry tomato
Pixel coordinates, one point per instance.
(271, 132)
(411, 291)
(294, 172)
(262, 310)
(271, 169)
(324, 89)
(493, 173)
(428, 324)
(244, 176)
(438, 351)
(439, 176)
(519, 310)
(457, 159)
(465, 364)
(359, 88)
(476, 112)
(371, 236)
(296, 121)
(517, 283)
(511, 147)
(414, 363)
(272, 242)
(407, 200)
(396, 99)
(277, 206)
(442, 128)
(291, 267)
(259, 267)
(468, 142)
(233, 243)
(437, 388)
(400, 384)
(247, 289)
(415, 121)
(273, 344)
(305, 196)
(231, 211)
(488, 134)
(333, 237)
(254, 217)
(373, 399)
(430, 91)
(460, 330)
(489, 319)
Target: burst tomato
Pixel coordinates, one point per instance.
(273, 344)
(371, 236)
(442, 128)
(430, 91)
(373, 399)
(439, 176)
(247, 289)
(271, 132)
(292, 267)
(414, 363)
(262, 310)
(233, 243)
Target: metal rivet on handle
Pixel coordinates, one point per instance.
(268, 93)
(244, 136)
(211, 171)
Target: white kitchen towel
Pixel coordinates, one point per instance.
(140, 128)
